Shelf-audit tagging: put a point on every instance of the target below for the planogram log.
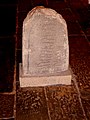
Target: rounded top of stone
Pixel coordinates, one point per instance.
(47, 12)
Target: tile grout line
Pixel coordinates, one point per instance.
(5, 118)
(15, 63)
(79, 96)
(7, 93)
(15, 93)
(47, 103)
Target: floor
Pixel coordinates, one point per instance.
(60, 102)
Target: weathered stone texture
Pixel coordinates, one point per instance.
(45, 43)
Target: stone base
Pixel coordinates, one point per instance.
(27, 81)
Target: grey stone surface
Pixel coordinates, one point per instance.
(45, 49)
(64, 78)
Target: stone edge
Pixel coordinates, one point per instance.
(27, 81)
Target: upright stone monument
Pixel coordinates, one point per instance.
(45, 49)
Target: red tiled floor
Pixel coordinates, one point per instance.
(6, 106)
(63, 103)
(79, 60)
(86, 102)
(31, 104)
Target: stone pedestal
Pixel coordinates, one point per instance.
(64, 78)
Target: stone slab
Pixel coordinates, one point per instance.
(27, 81)
(45, 49)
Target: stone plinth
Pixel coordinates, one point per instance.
(64, 78)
